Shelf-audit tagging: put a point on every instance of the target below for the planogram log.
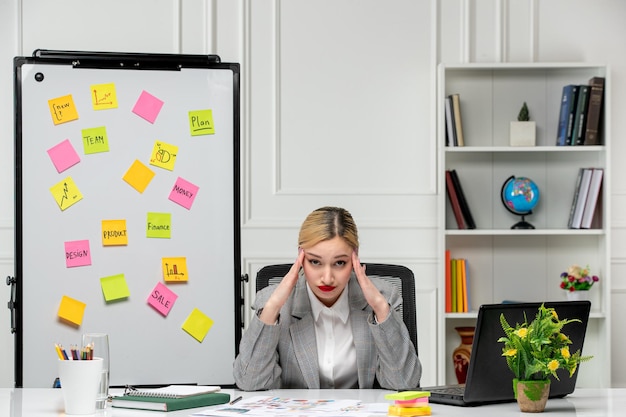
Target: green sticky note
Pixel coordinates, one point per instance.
(407, 395)
(201, 122)
(95, 140)
(114, 287)
(159, 225)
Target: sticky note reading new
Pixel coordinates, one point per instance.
(184, 193)
(175, 269)
(62, 109)
(66, 193)
(162, 299)
(197, 324)
(201, 122)
(77, 253)
(114, 287)
(114, 233)
(63, 156)
(71, 310)
(103, 96)
(147, 106)
(138, 176)
(95, 140)
(164, 155)
(159, 225)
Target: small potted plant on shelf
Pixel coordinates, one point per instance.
(534, 352)
(522, 131)
(577, 281)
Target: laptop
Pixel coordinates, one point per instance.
(489, 379)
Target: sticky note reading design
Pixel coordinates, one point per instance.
(197, 324)
(184, 193)
(201, 122)
(114, 233)
(175, 269)
(66, 193)
(114, 287)
(63, 155)
(138, 176)
(103, 96)
(77, 253)
(162, 299)
(95, 140)
(147, 106)
(159, 225)
(71, 310)
(62, 109)
(164, 155)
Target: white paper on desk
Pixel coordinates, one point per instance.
(265, 406)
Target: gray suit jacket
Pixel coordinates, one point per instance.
(285, 355)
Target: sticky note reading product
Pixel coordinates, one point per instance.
(103, 96)
(175, 269)
(138, 176)
(71, 310)
(184, 193)
(114, 233)
(63, 155)
(77, 253)
(114, 287)
(164, 155)
(159, 225)
(66, 193)
(62, 109)
(197, 324)
(95, 140)
(201, 122)
(147, 106)
(162, 299)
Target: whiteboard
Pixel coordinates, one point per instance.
(165, 341)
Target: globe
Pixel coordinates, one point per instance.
(520, 196)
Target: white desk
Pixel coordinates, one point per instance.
(48, 402)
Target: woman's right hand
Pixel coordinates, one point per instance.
(279, 297)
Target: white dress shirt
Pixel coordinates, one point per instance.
(335, 345)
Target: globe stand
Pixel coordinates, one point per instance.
(523, 224)
(528, 189)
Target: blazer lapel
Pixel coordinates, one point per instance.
(365, 349)
(303, 336)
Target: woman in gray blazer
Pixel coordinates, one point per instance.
(326, 324)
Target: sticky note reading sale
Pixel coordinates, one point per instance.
(71, 310)
(197, 324)
(201, 122)
(114, 233)
(77, 253)
(138, 176)
(174, 269)
(114, 287)
(147, 106)
(162, 299)
(63, 156)
(184, 193)
(62, 109)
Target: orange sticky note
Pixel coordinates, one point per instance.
(114, 233)
(71, 310)
(197, 324)
(138, 176)
(175, 269)
(62, 109)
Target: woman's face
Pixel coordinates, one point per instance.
(327, 267)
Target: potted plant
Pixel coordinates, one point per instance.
(522, 131)
(577, 282)
(535, 351)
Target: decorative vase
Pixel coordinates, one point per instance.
(531, 396)
(461, 355)
(578, 295)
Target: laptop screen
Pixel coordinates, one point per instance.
(489, 379)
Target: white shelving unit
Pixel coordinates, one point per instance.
(521, 265)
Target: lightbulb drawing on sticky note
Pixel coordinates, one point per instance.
(147, 106)
(66, 193)
(63, 156)
(114, 287)
(175, 269)
(197, 324)
(62, 109)
(71, 310)
(138, 176)
(164, 155)
(162, 299)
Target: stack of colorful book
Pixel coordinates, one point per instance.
(409, 403)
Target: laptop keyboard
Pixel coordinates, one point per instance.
(448, 390)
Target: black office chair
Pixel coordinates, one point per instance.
(400, 276)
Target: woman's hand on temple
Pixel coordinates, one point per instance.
(374, 298)
(272, 307)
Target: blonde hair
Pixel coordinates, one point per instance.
(325, 223)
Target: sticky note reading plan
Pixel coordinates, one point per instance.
(184, 193)
(201, 122)
(197, 324)
(162, 299)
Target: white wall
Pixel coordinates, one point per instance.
(337, 101)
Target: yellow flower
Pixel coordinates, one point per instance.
(556, 316)
(565, 352)
(510, 352)
(553, 365)
(522, 332)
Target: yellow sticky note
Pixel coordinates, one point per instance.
(175, 269)
(62, 109)
(71, 310)
(114, 233)
(103, 96)
(159, 225)
(197, 324)
(138, 176)
(66, 193)
(164, 155)
(114, 287)
(201, 122)
(95, 140)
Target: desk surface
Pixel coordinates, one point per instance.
(48, 402)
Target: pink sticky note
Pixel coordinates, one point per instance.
(162, 299)
(147, 106)
(184, 193)
(63, 155)
(77, 253)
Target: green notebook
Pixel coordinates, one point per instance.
(170, 404)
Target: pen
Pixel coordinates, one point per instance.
(235, 400)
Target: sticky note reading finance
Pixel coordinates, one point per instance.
(147, 106)
(184, 193)
(114, 287)
(162, 299)
(77, 253)
(114, 233)
(197, 324)
(71, 310)
(66, 193)
(201, 122)
(62, 109)
(138, 176)
(159, 225)
(174, 269)
(164, 155)
(103, 96)
(63, 155)
(95, 140)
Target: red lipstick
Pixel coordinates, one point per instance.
(326, 288)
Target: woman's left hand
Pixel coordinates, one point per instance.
(374, 298)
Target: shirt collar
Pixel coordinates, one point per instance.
(341, 306)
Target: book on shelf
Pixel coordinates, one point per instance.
(578, 134)
(157, 403)
(594, 112)
(460, 295)
(458, 124)
(448, 286)
(458, 281)
(454, 201)
(580, 198)
(450, 125)
(453, 286)
(465, 210)
(591, 205)
(575, 199)
(566, 114)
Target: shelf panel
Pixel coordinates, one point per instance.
(525, 232)
(516, 149)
